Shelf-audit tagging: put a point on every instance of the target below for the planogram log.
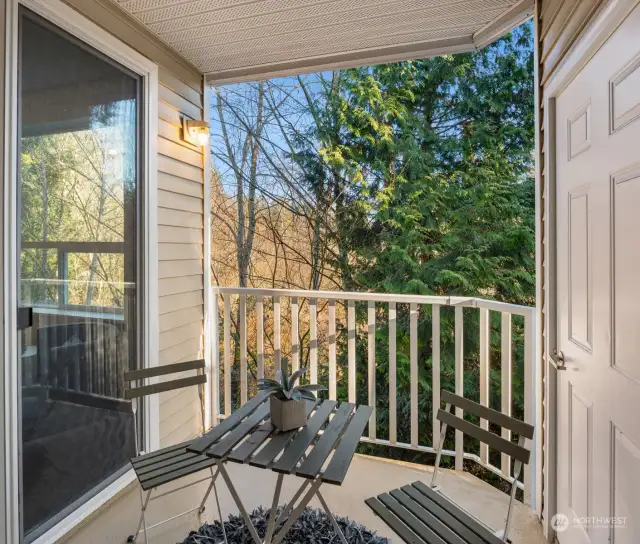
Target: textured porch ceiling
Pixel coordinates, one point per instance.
(235, 40)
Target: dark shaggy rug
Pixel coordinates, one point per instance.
(313, 527)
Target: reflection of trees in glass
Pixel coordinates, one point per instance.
(73, 190)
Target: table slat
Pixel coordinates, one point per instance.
(206, 441)
(294, 451)
(323, 447)
(226, 444)
(245, 450)
(278, 441)
(337, 469)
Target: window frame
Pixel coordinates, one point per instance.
(70, 21)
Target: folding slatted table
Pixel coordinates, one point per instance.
(248, 437)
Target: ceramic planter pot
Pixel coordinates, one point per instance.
(288, 414)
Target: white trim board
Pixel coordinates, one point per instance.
(604, 24)
(209, 317)
(74, 23)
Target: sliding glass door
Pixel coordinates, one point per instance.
(78, 262)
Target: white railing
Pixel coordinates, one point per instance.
(269, 324)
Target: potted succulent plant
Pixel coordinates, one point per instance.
(288, 406)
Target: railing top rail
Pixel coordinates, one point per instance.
(467, 302)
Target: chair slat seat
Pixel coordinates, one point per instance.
(156, 468)
(174, 462)
(420, 515)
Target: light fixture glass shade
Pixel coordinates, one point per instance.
(195, 132)
(202, 138)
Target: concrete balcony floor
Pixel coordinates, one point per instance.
(367, 476)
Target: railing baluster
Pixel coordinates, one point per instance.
(532, 413)
(459, 362)
(484, 376)
(243, 349)
(227, 354)
(295, 348)
(435, 371)
(332, 350)
(413, 349)
(351, 348)
(393, 433)
(371, 353)
(260, 335)
(313, 340)
(277, 353)
(505, 377)
(215, 359)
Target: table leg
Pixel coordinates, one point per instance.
(297, 511)
(291, 518)
(274, 509)
(288, 506)
(236, 498)
(333, 520)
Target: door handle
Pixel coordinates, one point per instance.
(558, 358)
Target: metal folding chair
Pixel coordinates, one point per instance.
(166, 465)
(420, 514)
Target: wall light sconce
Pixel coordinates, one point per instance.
(195, 132)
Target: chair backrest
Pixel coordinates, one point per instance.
(522, 429)
(164, 370)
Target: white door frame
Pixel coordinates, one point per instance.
(74, 23)
(611, 16)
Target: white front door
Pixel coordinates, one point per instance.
(598, 260)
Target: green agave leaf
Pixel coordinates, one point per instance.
(268, 387)
(296, 376)
(265, 381)
(284, 372)
(307, 395)
(312, 387)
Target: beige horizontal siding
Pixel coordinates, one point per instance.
(180, 235)
(180, 87)
(177, 335)
(175, 269)
(177, 168)
(178, 218)
(180, 103)
(174, 200)
(169, 114)
(184, 351)
(184, 284)
(180, 251)
(179, 152)
(175, 184)
(172, 303)
(178, 318)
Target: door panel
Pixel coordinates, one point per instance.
(625, 191)
(598, 259)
